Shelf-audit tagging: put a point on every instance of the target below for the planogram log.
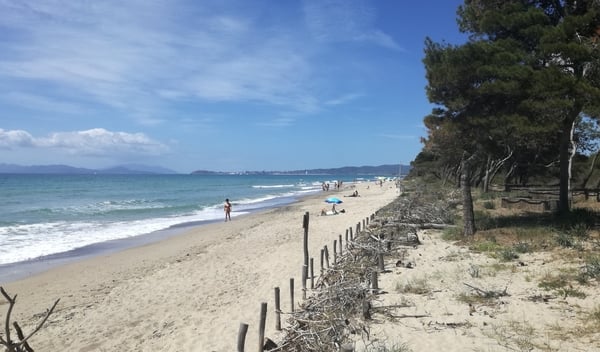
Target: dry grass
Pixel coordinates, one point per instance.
(418, 286)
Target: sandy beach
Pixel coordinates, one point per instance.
(468, 301)
(189, 292)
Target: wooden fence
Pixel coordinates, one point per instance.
(265, 344)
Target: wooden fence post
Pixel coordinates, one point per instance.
(277, 310)
(312, 274)
(261, 327)
(334, 252)
(346, 238)
(380, 262)
(340, 238)
(305, 221)
(374, 283)
(292, 293)
(326, 256)
(242, 337)
(322, 260)
(304, 278)
(351, 237)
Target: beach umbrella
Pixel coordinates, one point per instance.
(333, 200)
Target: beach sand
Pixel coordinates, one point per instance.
(189, 292)
(454, 299)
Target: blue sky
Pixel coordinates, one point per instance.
(226, 85)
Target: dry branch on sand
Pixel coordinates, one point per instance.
(340, 309)
(19, 344)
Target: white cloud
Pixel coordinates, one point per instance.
(93, 142)
(140, 57)
(15, 138)
(140, 53)
(345, 21)
(344, 99)
(278, 122)
(380, 38)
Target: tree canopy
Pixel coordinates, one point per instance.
(512, 95)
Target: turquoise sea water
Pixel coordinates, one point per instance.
(45, 215)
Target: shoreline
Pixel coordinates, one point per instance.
(21, 270)
(188, 292)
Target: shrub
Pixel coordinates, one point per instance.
(489, 205)
(522, 247)
(591, 269)
(565, 239)
(486, 246)
(508, 254)
(580, 231)
(485, 221)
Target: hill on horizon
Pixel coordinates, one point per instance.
(381, 170)
(134, 169)
(127, 169)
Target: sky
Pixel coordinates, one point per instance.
(221, 85)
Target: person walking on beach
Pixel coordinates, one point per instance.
(227, 208)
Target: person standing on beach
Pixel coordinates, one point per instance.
(227, 208)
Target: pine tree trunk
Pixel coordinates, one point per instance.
(486, 177)
(468, 215)
(564, 198)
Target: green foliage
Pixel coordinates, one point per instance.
(489, 205)
(486, 246)
(417, 286)
(452, 234)
(561, 284)
(522, 247)
(565, 240)
(514, 90)
(508, 254)
(574, 236)
(554, 282)
(583, 219)
(484, 221)
(580, 231)
(591, 269)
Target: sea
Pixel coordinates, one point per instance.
(51, 219)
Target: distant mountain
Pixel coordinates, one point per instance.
(138, 168)
(42, 169)
(70, 170)
(382, 170)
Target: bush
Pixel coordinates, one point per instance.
(485, 222)
(580, 231)
(486, 246)
(489, 205)
(591, 269)
(452, 234)
(508, 254)
(565, 240)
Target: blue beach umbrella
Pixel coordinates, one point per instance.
(333, 200)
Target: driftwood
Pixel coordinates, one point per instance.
(20, 344)
(489, 293)
(426, 226)
(340, 307)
